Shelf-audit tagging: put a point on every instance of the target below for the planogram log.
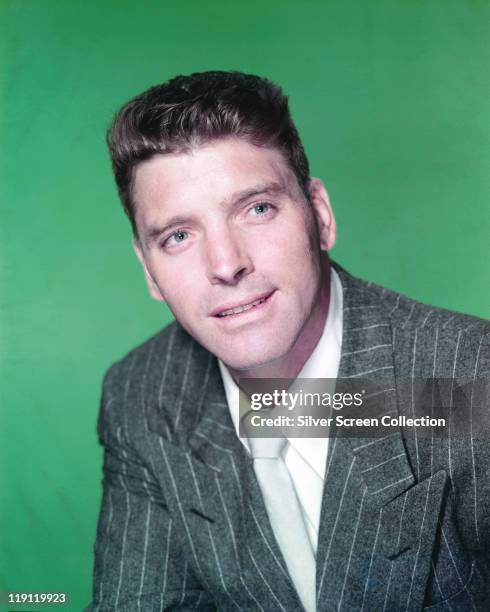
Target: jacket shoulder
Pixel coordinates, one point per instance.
(138, 360)
(409, 314)
(415, 324)
(135, 382)
(461, 339)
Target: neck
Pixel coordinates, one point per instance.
(290, 365)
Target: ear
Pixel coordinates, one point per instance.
(323, 212)
(152, 286)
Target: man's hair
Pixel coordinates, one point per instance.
(190, 111)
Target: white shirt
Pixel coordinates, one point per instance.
(305, 458)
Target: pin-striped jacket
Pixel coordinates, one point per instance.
(405, 520)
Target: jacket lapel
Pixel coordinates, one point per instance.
(377, 526)
(214, 441)
(212, 489)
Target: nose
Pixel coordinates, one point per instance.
(227, 258)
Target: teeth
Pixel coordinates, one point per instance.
(239, 309)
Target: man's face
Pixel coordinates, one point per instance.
(229, 242)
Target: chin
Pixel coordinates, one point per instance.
(254, 356)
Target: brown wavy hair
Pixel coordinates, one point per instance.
(189, 111)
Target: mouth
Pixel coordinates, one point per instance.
(239, 309)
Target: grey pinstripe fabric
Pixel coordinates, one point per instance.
(405, 520)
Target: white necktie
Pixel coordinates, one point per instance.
(285, 515)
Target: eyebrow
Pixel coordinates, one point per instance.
(274, 188)
(154, 231)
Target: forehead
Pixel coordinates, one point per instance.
(208, 174)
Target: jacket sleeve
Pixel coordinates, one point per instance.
(139, 563)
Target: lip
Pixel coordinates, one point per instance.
(231, 305)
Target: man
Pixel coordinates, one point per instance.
(233, 234)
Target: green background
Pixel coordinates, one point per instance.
(391, 98)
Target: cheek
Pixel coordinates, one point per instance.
(290, 255)
(183, 296)
(177, 285)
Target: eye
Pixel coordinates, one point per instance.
(175, 238)
(261, 209)
(179, 236)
